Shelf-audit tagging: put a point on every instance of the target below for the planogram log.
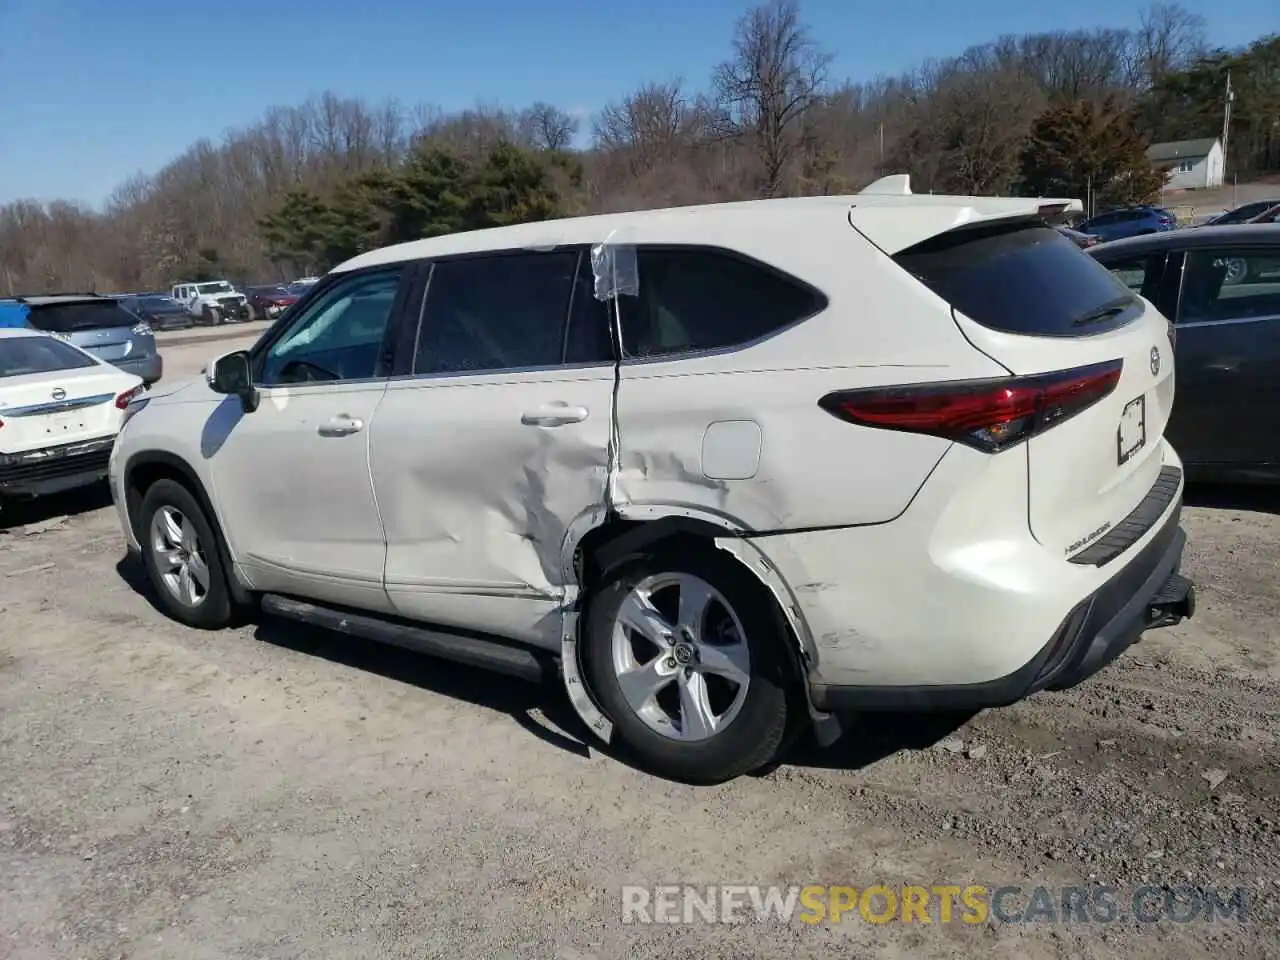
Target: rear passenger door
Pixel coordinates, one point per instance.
(493, 440)
(1228, 398)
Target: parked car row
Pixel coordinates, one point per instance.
(1144, 220)
(98, 324)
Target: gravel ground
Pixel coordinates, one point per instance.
(277, 792)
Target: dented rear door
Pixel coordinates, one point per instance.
(495, 442)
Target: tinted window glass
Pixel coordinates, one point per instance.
(70, 317)
(1241, 214)
(23, 355)
(1140, 274)
(1020, 278)
(588, 339)
(156, 303)
(502, 312)
(1230, 285)
(708, 300)
(338, 336)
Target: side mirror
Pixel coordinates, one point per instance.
(231, 374)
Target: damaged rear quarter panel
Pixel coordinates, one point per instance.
(814, 470)
(881, 327)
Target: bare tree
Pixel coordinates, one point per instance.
(1169, 36)
(548, 127)
(649, 127)
(776, 73)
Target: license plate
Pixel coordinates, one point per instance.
(1132, 433)
(64, 423)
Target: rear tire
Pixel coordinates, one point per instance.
(702, 698)
(183, 557)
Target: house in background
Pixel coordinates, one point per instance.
(1190, 164)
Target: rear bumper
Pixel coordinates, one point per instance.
(53, 469)
(149, 368)
(1147, 592)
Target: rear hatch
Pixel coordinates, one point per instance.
(1031, 300)
(101, 326)
(50, 394)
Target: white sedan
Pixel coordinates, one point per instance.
(60, 411)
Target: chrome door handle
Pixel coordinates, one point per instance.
(341, 426)
(554, 415)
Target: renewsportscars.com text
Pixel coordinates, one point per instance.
(934, 904)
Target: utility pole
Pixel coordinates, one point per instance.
(1228, 99)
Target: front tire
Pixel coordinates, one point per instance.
(686, 655)
(181, 553)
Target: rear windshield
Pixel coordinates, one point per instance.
(1241, 214)
(23, 355)
(1023, 277)
(71, 317)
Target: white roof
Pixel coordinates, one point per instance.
(885, 212)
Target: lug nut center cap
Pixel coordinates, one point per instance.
(684, 653)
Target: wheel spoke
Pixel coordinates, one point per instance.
(696, 717)
(186, 586)
(199, 571)
(166, 559)
(640, 684)
(172, 529)
(731, 661)
(639, 613)
(189, 538)
(695, 596)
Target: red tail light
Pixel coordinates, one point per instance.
(989, 415)
(123, 399)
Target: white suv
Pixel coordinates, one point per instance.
(724, 468)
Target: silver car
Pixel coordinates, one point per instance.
(101, 326)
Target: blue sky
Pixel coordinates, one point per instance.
(92, 91)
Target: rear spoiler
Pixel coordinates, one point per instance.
(893, 218)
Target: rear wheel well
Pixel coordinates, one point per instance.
(138, 479)
(613, 543)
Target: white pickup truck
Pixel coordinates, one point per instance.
(212, 302)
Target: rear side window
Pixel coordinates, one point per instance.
(1023, 278)
(72, 317)
(1141, 274)
(1241, 214)
(692, 300)
(20, 356)
(1230, 284)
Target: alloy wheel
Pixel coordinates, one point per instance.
(680, 656)
(179, 556)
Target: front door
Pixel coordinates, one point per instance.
(494, 442)
(293, 476)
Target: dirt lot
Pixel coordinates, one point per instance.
(276, 792)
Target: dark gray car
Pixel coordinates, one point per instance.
(1221, 288)
(101, 326)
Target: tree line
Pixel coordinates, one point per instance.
(304, 187)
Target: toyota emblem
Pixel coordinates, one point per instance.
(59, 394)
(1155, 361)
